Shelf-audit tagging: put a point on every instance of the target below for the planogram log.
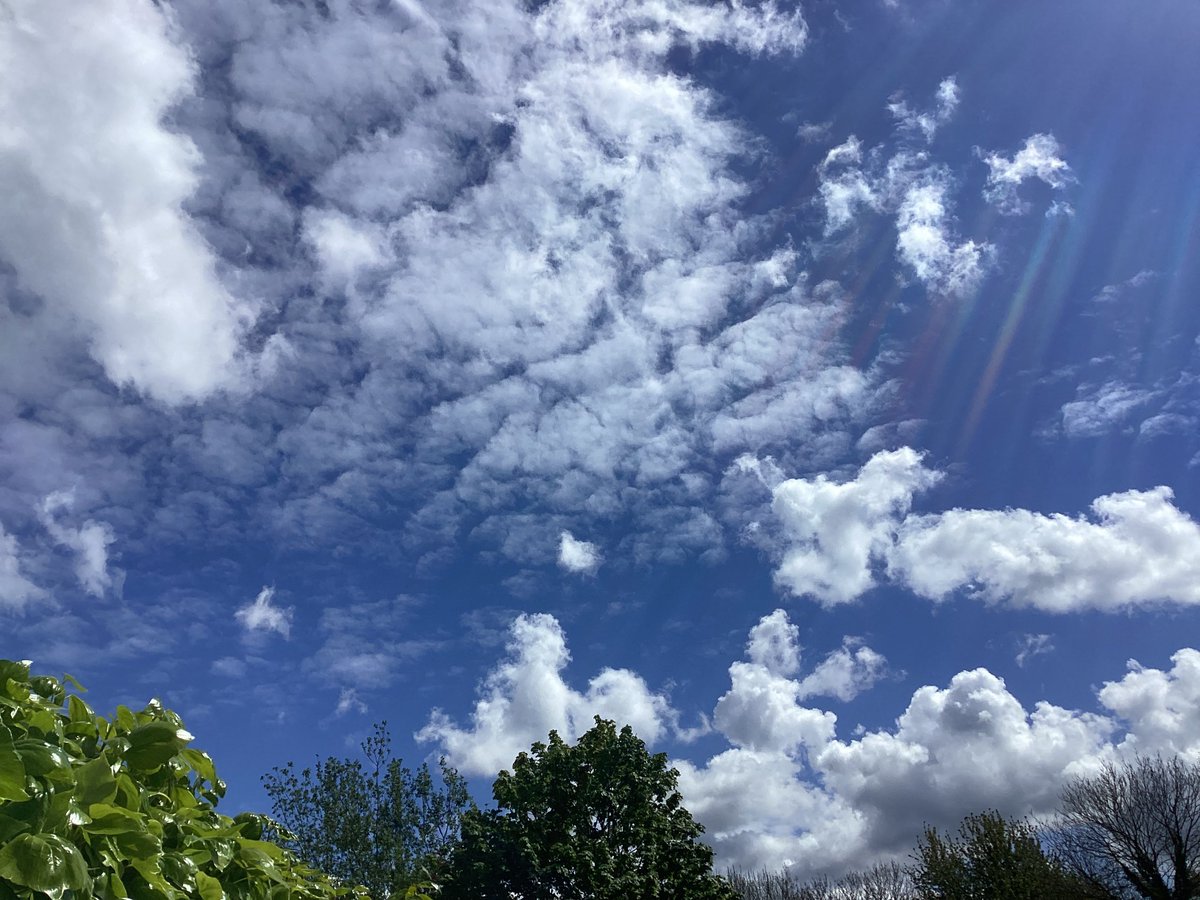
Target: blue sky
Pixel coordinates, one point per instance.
(813, 387)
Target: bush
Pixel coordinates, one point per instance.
(123, 808)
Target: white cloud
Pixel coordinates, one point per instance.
(102, 236)
(1103, 408)
(845, 673)
(525, 697)
(835, 531)
(578, 556)
(260, 615)
(349, 702)
(1140, 549)
(1039, 158)
(1032, 645)
(926, 243)
(927, 122)
(15, 589)
(89, 542)
(1161, 707)
(365, 644)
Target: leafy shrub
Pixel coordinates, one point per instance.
(123, 808)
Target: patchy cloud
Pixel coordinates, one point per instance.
(261, 615)
(1039, 159)
(926, 122)
(88, 543)
(16, 590)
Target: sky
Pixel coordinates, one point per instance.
(814, 387)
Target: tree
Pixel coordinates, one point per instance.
(992, 858)
(378, 824)
(599, 820)
(1133, 829)
(105, 809)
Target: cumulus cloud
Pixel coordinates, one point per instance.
(789, 791)
(102, 237)
(1140, 549)
(88, 543)
(525, 697)
(1040, 158)
(16, 590)
(578, 556)
(261, 615)
(836, 531)
(1137, 549)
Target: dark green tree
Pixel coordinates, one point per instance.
(370, 820)
(992, 858)
(600, 820)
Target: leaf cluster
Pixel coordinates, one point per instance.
(124, 809)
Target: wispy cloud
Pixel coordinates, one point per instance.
(1039, 159)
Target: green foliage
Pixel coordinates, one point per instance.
(123, 808)
(375, 823)
(992, 858)
(599, 820)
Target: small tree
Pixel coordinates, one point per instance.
(992, 858)
(600, 820)
(1133, 829)
(370, 821)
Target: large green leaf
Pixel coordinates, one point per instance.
(41, 758)
(43, 862)
(12, 770)
(154, 743)
(209, 887)
(94, 782)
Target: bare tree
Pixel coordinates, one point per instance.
(1133, 829)
(883, 881)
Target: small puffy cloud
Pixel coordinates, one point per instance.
(15, 589)
(88, 543)
(836, 531)
(102, 236)
(1138, 549)
(261, 615)
(578, 556)
(1039, 158)
(845, 673)
(927, 122)
(525, 698)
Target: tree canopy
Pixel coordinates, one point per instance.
(991, 858)
(599, 819)
(371, 821)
